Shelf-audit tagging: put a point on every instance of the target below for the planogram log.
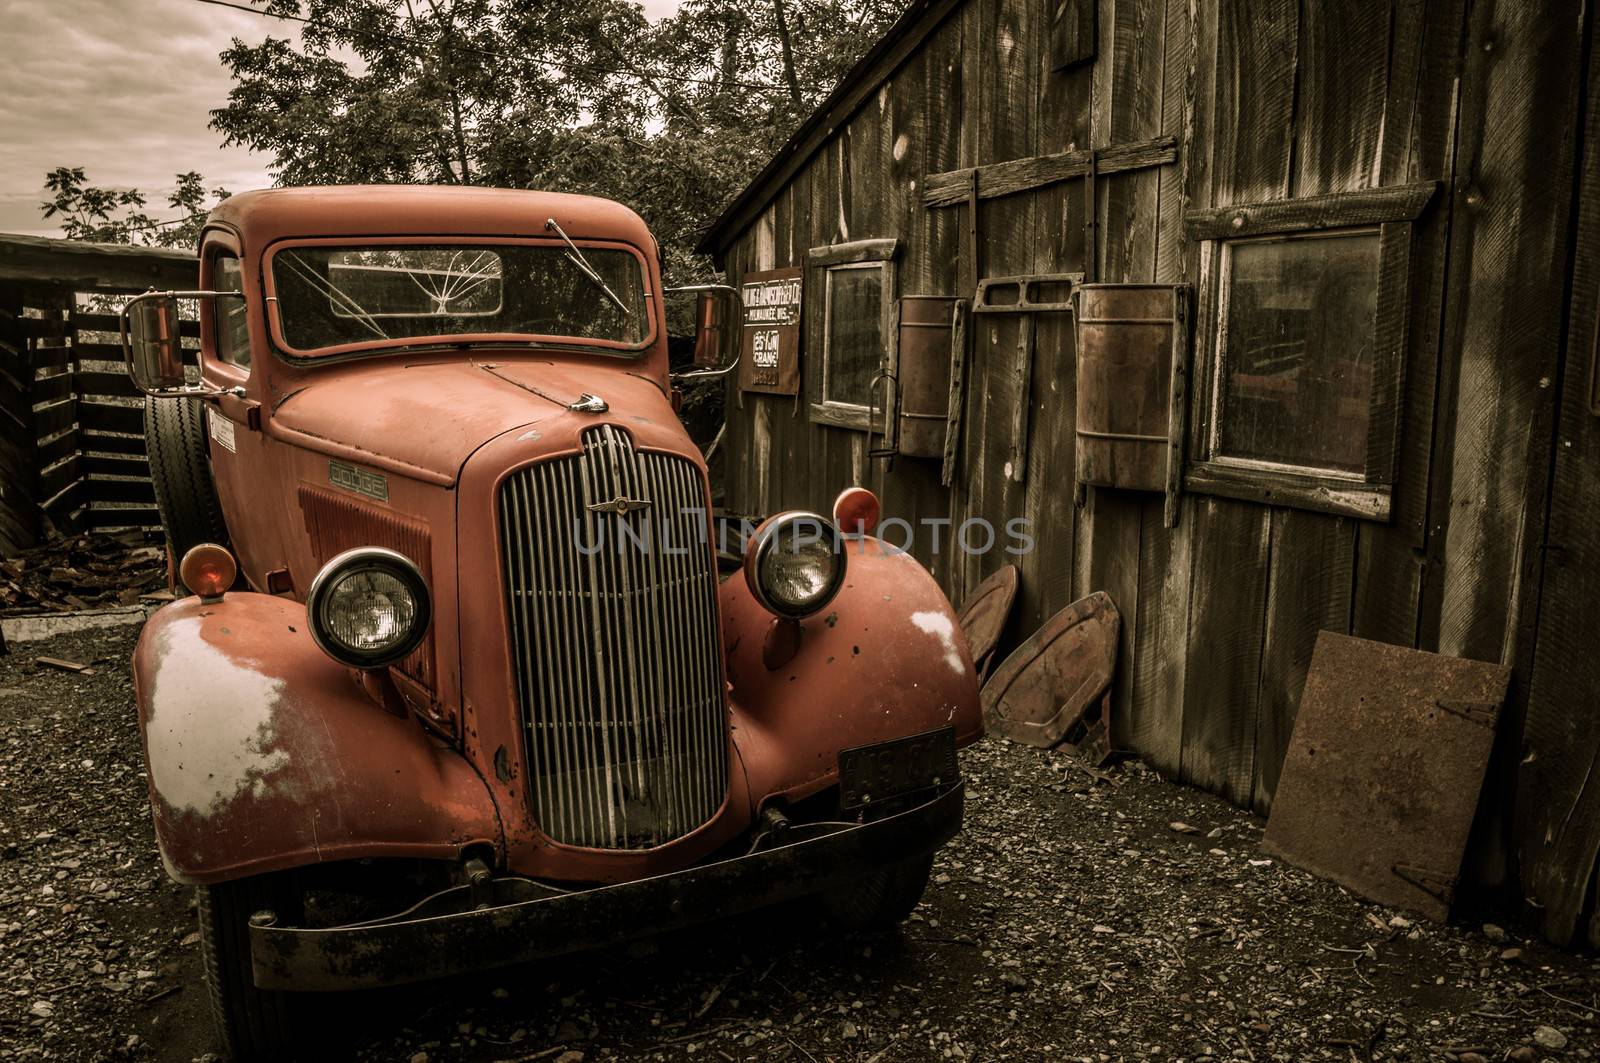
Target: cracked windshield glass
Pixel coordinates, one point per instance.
(334, 297)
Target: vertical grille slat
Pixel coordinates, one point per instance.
(613, 623)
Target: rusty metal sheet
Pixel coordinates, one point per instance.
(1381, 781)
(1055, 679)
(983, 615)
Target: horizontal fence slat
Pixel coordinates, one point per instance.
(105, 417)
(92, 384)
(119, 491)
(111, 444)
(52, 419)
(102, 352)
(135, 517)
(57, 448)
(51, 388)
(52, 480)
(64, 503)
(132, 465)
(47, 357)
(42, 327)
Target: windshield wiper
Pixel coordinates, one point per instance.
(576, 258)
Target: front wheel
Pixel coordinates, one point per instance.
(254, 1024)
(879, 900)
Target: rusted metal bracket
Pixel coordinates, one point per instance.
(1482, 713)
(1017, 467)
(891, 420)
(1434, 883)
(1027, 293)
(958, 383)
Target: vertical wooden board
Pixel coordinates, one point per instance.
(1419, 110)
(1557, 827)
(1253, 108)
(1343, 60)
(1133, 111)
(1154, 720)
(1113, 519)
(1308, 590)
(1180, 119)
(1232, 548)
(1517, 120)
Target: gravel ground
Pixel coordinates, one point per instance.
(1075, 918)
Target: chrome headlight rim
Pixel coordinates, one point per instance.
(761, 545)
(365, 558)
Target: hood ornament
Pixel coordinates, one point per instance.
(587, 403)
(621, 505)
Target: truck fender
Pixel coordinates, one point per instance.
(885, 659)
(264, 754)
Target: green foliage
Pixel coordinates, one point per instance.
(672, 119)
(117, 216)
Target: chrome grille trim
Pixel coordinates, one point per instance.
(619, 672)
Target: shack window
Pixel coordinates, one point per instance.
(850, 331)
(1301, 348)
(852, 347)
(232, 327)
(1295, 352)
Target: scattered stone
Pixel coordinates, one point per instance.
(1549, 1038)
(1494, 933)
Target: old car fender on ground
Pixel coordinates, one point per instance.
(264, 754)
(885, 659)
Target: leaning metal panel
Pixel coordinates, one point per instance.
(612, 597)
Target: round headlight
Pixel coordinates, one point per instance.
(795, 564)
(368, 607)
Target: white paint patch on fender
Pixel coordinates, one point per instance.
(942, 628)
(210, 725)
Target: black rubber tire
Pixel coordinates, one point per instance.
(254, 1024)
(180, 470)
(881, 900)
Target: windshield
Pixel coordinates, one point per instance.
(341, 297)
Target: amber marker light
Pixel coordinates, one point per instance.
(856, 511)
(208, 570)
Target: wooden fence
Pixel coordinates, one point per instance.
(72, 454)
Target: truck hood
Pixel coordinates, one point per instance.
(425, 419)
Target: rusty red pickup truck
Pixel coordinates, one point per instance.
(457, 680)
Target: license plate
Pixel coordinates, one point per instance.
(873, 774)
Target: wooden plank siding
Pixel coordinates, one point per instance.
(1265, 100)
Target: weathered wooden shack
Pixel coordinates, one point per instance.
(1382, 412)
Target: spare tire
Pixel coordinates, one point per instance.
(180, 469)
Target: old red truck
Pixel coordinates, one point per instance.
(456, 683)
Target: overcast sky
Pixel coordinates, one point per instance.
(123, 88)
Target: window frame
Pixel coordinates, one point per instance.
(220, 309)
(1390, 212)
(821, 262)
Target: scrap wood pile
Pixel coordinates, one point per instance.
(93, 570)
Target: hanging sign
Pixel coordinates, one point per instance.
(769, 358)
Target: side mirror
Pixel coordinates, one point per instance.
(152, 343)
(719, 322)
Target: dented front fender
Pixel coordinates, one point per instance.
(887, 658)
(263, 753)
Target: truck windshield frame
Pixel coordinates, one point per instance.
(367, 295)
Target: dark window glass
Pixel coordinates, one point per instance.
(233, 330)
(335, 296)
(1297, 351)
(854, 350)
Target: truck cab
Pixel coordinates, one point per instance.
(455, 682)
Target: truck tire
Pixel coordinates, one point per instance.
(180, 470)
(254, 1024)
(880, 900)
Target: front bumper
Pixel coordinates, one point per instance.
(408, 948)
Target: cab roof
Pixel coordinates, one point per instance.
(263, 216)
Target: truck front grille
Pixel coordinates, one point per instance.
(612, 608)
